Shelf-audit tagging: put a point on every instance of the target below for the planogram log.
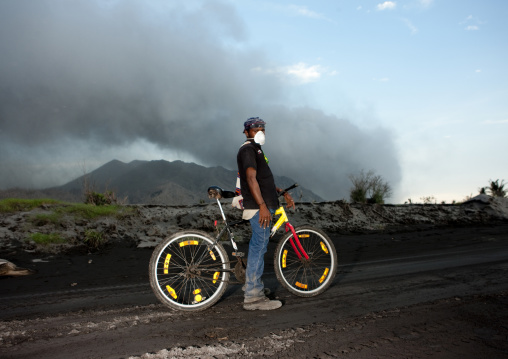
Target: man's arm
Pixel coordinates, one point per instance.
(264, 214)
(289, 200)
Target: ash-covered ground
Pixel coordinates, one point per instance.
(414, 281)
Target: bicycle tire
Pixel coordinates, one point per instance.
(188, 272)
(301, 277)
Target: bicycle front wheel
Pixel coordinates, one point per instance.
(188, 271)
(306, 277)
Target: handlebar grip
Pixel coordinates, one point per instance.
(288, 189)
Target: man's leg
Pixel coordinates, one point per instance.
(256, 259)
(254, 289)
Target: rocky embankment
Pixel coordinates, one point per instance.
(148, 224)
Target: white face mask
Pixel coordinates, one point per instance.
(259, 138)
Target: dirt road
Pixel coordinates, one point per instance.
(440, 293)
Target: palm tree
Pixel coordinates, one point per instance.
(497, 189)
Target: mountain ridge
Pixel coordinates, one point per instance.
(158, 182)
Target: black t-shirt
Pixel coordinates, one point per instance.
(251, 155)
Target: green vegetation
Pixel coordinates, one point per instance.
(43, 219)
(61, 215)
(79, 210)
(93, 239)
(16, 205)
(46, 239)
(100, 199)
(82, 210)
(369, 187)
(358, 195)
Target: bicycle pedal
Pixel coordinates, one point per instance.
(238, 254)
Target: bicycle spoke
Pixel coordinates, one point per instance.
(310, 276)
(190, 271)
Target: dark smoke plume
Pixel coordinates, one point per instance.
(88, 80)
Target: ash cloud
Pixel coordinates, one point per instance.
(91, 79)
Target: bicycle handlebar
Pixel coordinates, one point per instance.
(288, 189)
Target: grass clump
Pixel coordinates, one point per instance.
(46, 218)
(94, 239)
(82, 210)
(79, 211)
(16, 205)
(47, 239)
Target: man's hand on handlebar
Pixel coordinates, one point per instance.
(289, 200)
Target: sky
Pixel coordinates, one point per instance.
(414, 90)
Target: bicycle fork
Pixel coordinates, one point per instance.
(298, 248)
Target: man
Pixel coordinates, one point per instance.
(260, 200)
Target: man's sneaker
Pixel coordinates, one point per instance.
(267, 291)
(262, 304)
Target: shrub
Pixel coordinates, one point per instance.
(96, 198)
(358, 195)
(100, 199)
(428, 199)
(377, 197)
(369, 187)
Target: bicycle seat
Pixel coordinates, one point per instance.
(218, 193)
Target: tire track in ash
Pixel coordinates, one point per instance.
(348, 282)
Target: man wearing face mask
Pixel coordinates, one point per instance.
(260, 200)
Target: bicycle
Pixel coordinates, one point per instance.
(190, 270)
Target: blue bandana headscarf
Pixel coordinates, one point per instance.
(252, 121)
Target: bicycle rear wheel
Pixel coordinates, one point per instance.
(306, 277)
(188, 272)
